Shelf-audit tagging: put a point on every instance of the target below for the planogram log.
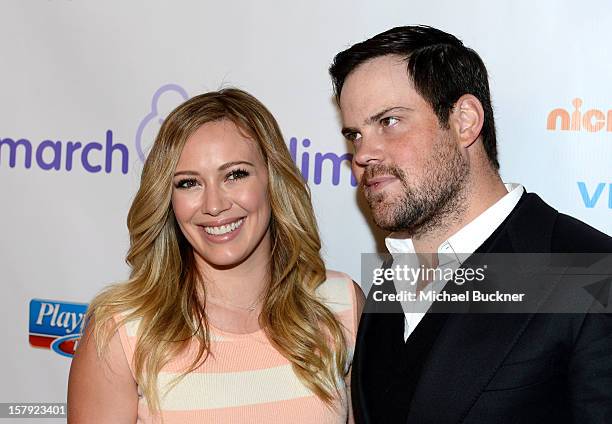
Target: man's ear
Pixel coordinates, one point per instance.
(467, 119)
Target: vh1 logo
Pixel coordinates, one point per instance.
(592, 196)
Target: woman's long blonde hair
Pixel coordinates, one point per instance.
(163, 287)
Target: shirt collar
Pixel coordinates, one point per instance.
(471, 236)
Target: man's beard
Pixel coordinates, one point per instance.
(434, 202)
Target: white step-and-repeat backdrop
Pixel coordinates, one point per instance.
(85, 84)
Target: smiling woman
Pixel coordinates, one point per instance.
(221, 194)
(229, 314)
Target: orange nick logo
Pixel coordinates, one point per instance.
(592, 120)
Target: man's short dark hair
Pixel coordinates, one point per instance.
(440, 66)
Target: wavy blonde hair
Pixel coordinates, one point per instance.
(162, 290)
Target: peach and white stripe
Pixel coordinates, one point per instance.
(209, 391)
(245, 378)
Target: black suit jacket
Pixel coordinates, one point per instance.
(485, 368)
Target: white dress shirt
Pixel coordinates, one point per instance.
(459, 245)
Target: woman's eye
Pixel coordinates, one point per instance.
(389, 121)
(186, 183)
(237, 174)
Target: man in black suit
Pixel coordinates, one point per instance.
(415, 104)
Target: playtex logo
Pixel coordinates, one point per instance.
(56, 325)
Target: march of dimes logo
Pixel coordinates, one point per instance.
(312, 164)
(112, 156)
(590, 121)
(56, 325)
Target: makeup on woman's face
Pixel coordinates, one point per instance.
(220, 195)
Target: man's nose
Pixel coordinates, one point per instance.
(369, 151)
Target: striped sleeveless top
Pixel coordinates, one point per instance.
(246, 380)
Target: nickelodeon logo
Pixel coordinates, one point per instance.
(592, 120)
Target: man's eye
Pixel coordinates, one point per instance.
(389, 121)
(352, 136)
(186, 183)
(237, 174)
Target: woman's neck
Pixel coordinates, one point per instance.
(242, 284)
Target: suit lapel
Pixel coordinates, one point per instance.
(378, 356)
(471, 347)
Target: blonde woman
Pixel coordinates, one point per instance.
(229, 314)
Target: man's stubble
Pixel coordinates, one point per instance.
(432, 203)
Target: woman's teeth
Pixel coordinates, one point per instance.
(224, 229)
